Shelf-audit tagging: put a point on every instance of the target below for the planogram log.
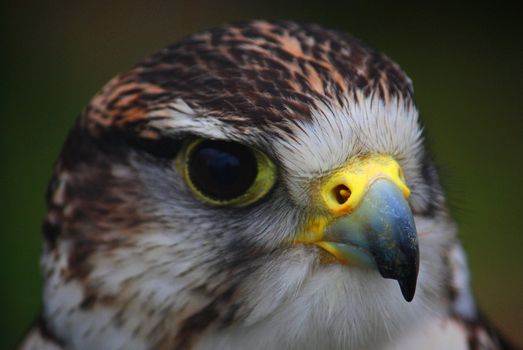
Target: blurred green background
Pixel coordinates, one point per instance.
(466, 67)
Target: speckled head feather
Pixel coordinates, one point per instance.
(134, 260)
(256, 74)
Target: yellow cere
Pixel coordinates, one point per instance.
(344, 190)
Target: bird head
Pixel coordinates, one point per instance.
(258, 176)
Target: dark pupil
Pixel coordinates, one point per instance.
(222, 170)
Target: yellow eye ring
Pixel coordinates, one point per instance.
(225, 173)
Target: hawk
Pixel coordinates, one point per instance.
(260, 185)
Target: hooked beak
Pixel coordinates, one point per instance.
(372, 224)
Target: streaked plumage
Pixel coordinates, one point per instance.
(134, 260)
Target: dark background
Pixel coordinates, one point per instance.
(465, 63)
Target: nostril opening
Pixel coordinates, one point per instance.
(341, 193)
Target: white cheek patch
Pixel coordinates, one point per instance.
(335, 134)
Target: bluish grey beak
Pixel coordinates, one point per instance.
(380, 234)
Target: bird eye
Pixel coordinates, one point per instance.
(227, 173)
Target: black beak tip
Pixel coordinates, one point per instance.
(406, 274)
(407, 281)
(408, 289)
